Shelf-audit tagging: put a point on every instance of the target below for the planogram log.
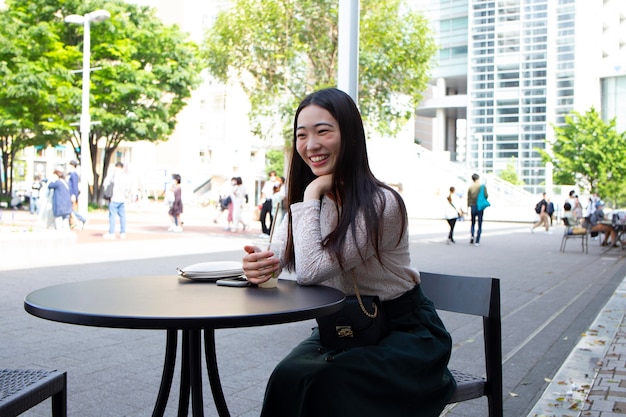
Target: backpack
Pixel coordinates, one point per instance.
(108, 191)
(538, 207)
(224, 202)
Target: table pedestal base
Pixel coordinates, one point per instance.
(190, 374)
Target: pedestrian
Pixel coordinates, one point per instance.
(542, 210)
(550, 211)
(61, 200)
(223, 202)
(176, 207)
(477, 215)
(46, 197)
(266, 207)
(35, 192)
(451, 213)
(574, 202)
(117, 204)
(278, 196)
(348, 230)
(72, 180)
(238, 197)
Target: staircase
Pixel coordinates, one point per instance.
(424, 178)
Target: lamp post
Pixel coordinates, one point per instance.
(85, 120)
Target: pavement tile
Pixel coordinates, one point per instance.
(599, 386)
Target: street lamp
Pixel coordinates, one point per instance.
(85, 121)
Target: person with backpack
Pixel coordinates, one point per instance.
(542, 210)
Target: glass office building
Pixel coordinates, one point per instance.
(513, 69)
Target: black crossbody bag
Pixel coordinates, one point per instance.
(361, 322)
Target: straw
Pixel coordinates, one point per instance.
(273, 226)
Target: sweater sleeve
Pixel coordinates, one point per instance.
(313, 221)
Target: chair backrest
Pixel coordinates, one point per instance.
(480, 297)
(566, 221)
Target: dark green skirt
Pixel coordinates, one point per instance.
(406, 374)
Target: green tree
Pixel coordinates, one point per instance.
(34, 83)
(509, 174)
(590, 153)
(275, 162)
(280, 50)
(146, 71)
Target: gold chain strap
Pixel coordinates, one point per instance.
(358, 297)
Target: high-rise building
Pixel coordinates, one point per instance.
(507, 71)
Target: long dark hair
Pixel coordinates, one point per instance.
(354, 185)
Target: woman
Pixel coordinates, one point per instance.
(176, 206)
(278, 195)
(61, 200)
(342, 220)
(238, 197)
(452, 212)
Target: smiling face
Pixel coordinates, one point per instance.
(318, 140)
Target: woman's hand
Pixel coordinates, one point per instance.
(258, 265)
(318, 187)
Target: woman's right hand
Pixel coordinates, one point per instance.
(318, 187)
(259, 265)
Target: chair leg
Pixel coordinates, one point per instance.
(59, 402)
(496, 408)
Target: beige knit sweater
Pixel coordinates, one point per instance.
(314, 265)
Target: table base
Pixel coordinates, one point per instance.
(191, 373)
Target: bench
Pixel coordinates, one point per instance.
(478, 297)
(22, 389)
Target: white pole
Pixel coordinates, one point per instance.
(348, 63)
(85, 123)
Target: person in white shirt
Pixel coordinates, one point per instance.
(117, 204)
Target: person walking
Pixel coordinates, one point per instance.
(266, 207)
(451, 213)
(74, 191)
(35, 193)
(477, 215)
(278, 197)
(542, 210)
(117, 204)
(61, 200)
(176, 207)
(238, 197)
(348, 230)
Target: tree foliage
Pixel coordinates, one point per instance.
(509, 174)
(281, 50)
(33, 84)
(275, 162)
(145, 72)
(590, 153)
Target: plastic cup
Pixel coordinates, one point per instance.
(272, 282)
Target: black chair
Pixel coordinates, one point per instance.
(569, 233)
(22, 389)
(478, 297)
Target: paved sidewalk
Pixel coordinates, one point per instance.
(591, 382)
